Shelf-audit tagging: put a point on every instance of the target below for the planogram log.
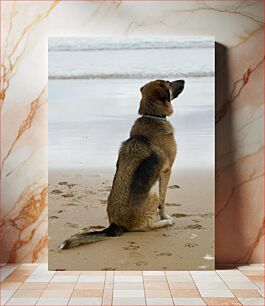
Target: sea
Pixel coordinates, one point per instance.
(94, 95)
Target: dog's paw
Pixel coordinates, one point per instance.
(166, 217)
(63, 245)
(169, 222)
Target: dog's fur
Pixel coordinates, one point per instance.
(145, 158)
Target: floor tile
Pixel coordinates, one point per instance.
(246, 293)
(70, 273)
(128, 273)
(109, 280)
(91, 278)
(256, 278)
(157, 293)
(177, 273)
(188, 301)
(147, 273)
(85, 301)
(182, 286)
(128, 293)
(7, 293)
(211, 285)
(22, 301)
(107, 297)
(185, 293)
(203, 273)
(6, 271)
(97, 273)
(18, 278)
(252, 272)
(28, 293)
(179, 278)
(260, 285)
(87, 293)
(235, 278)
(252, 301)
(216, 293)
(108, 284)
(261, 292)
(241, 285)
(110, 274)
(43, 266)
(9, 265)
(210, 278)
(21, 272)
(64, 278)
(9, 285)
(89, 286)
(60, 286)
(156, 285)
(56, 294)
(3, 300)
(128, 279)
(28, 266)
(251, 267)
(128, 301)
(53, 301)
(34, 286)
(40, 271)
(215, 301)
(231, 272)
(155, 278)
(159, 301)
(130, 286)
(39, 279)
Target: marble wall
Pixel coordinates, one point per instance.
(238, 28)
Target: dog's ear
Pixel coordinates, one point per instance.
(162, 93)
(141, 89)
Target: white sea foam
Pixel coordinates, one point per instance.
(116, 43)
(130, 59)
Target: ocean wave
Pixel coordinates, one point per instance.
(129, 76)
(115, 43)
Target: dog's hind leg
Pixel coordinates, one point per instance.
(150, 209)
(160, 223)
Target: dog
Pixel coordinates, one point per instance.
(145, 158)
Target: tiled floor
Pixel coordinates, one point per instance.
(33, 284)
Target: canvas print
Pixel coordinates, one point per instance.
(131, 153)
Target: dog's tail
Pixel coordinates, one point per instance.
(91, 237)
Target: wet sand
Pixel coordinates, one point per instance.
(78, 201)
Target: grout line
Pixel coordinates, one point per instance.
(210, 289)
(112, 288)
(144, 287)
(70, 296)
(102, 296)
(169, 288)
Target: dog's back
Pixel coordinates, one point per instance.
(137, 170)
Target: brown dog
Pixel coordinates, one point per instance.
(145, 158)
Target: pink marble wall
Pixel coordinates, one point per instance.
(238, 28)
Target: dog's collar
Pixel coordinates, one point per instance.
(164, 118)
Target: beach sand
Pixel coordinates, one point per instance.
(78, 201)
